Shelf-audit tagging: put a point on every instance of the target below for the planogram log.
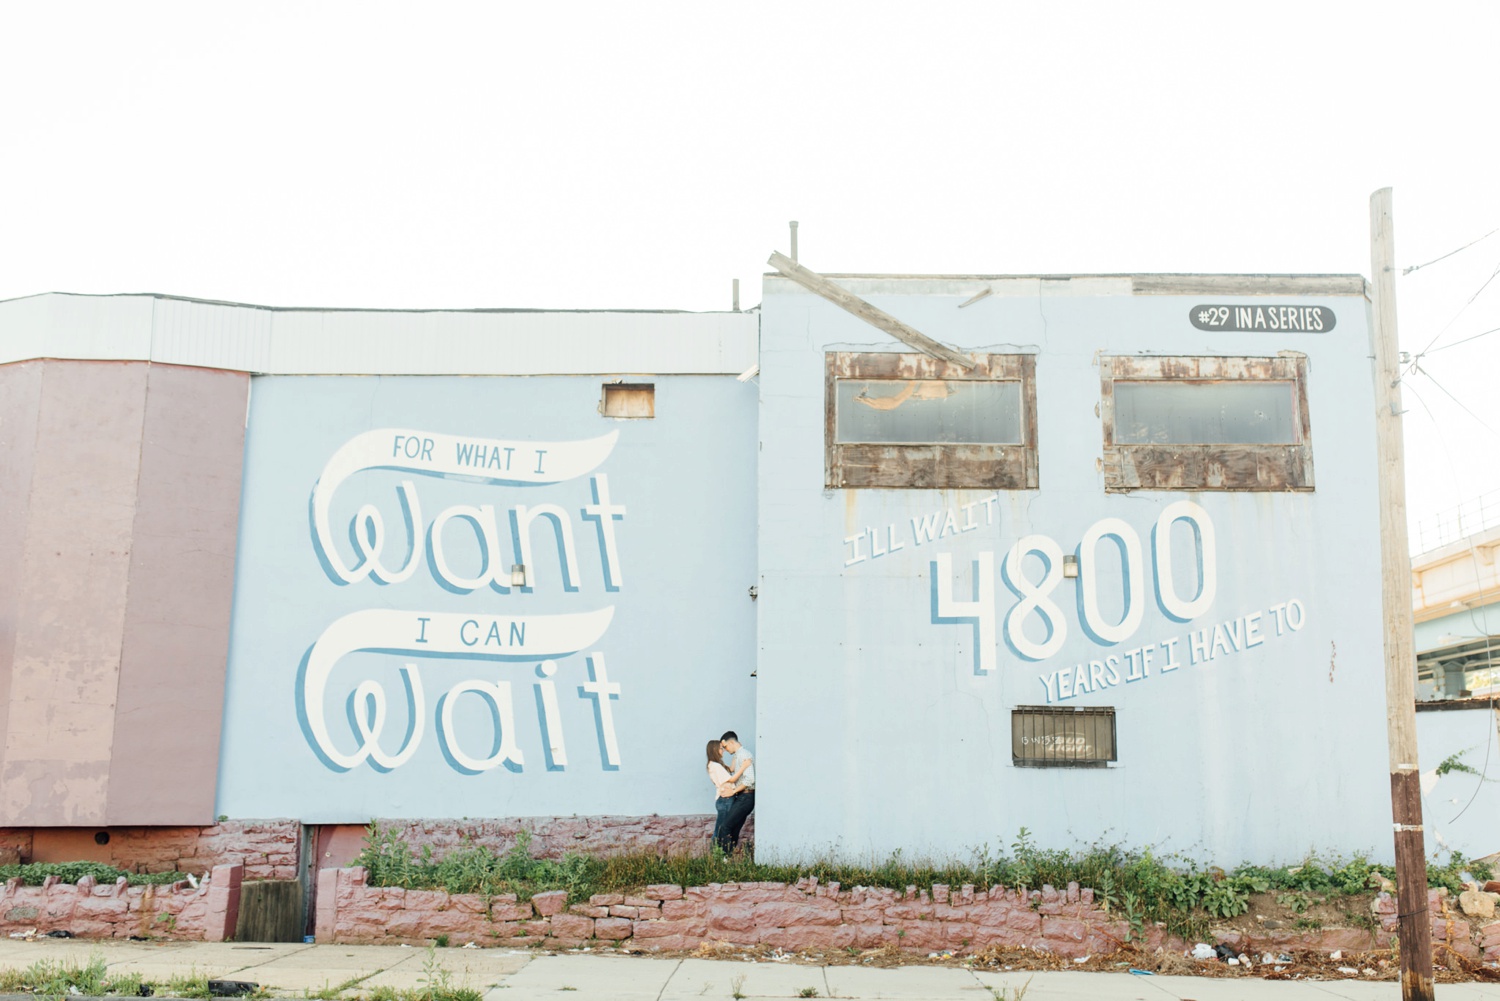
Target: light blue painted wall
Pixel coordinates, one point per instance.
(877, 732)
(1460, 810)
(677, 632)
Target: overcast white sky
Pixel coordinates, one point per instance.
(642, 155)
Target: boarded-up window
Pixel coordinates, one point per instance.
(1046, 735)
(910, 420)
(629, 400)
(1210, 423)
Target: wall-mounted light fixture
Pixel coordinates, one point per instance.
(518, 575)
(1070, 566)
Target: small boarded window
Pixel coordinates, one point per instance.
(630, 400)
(1042, 736)
(910, 420)
(1210, 423)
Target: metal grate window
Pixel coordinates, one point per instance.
(1045, 736)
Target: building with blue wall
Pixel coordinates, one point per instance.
(1102, 564)
(1116, 581)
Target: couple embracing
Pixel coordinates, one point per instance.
(734, 787)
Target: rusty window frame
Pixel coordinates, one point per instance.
(923, 466)
(1256, 467)
(1063, 737)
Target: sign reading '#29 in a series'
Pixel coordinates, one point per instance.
(1300, 319)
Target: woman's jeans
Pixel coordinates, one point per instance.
(724, 806)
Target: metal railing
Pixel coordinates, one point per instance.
(1467, 518)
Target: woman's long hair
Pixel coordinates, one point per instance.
(715, 754)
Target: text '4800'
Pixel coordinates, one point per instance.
(1035, 627)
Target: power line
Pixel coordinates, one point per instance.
(1473, 337)
(1460, 312)
(1418, 267)
(1418, 368)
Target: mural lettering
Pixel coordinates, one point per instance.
(461, 562)
(1203, 645)
(873, 543)
(1035, 626)
(476, 460)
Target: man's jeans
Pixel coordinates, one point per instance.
(739, 812)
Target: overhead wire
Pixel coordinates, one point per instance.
(1416, 367)
(1472, 337)
(1418, 267)
(1435, 337)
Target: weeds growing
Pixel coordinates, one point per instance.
(1138, 884)
(36, 873)
(59, 979)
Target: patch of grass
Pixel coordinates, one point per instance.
(1006, 994)
(436, 984)
(737, 987)
(330, 993)
(441, 941)
(193, 985)
(808, 992)
(56, 979)
(35, 873)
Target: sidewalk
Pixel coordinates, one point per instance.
(302, 970)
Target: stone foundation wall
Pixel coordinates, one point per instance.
(554, 837)
(207, 912)
(806, 915)
(268, 849)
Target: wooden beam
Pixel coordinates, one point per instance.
(1248, 284)
(846, 300)
(1400, 657)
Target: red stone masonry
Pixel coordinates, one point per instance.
(116, 910)
(554, 837)
(806, 915)
(269, 849)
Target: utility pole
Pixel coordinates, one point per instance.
(1400, 667)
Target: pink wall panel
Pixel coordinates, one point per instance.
(20, 392)
(73, 574)
(176, 633)
(119, 512)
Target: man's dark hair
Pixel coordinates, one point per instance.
(731, 735)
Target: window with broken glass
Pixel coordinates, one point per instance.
(910, 420)
(1206, 423)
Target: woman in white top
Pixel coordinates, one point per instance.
(726, 789)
